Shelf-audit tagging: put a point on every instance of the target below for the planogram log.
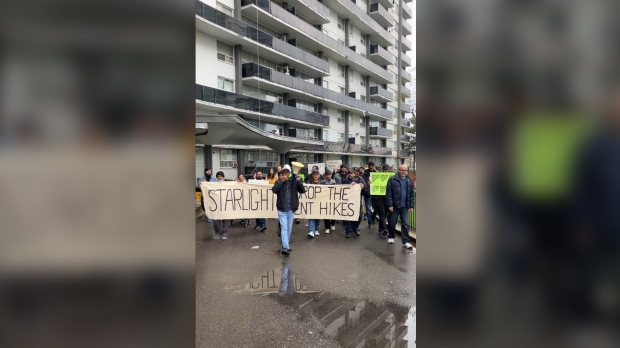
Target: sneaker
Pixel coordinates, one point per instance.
(408, 245)
(357, 233)
(224, 237)
(310, 235)
(327, 231)
(285, 251)
(263, 229)
(348, 235)
(333, 228)
(316, 233)
(217, 236)
(390, 240)
(297, 221)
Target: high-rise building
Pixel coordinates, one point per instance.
(300, 80)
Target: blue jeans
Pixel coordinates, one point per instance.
(286, 219)
(352, 226)
(313, 225)
(404, 223)
(261, 222)
(368, 202)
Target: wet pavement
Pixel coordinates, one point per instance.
(330, 292)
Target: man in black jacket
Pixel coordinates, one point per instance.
(287, 190)
(353, 226)
(370, 215)
(399, 198)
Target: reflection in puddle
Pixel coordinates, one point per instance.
(352, 322)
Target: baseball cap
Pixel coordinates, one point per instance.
(315, 171)
(350, 170)
(286, 167)
(385, 166)
(327, 171)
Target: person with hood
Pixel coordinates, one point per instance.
(313, 224)
(220, 226)
(208, 178)
(353, 226)
(400, 201)
(329, 224)
(340, 174)
(370, 215)
(287, 202)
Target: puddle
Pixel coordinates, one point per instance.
(350, 322)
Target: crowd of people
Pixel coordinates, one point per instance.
(398, 201)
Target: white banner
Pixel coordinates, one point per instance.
(320, 165)
(334, 165)
(234, 200)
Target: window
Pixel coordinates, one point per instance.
(340, 70)
(304, 105)
(362, 80)
(351, 30)
(261, 159)
(340, 137)
(340, 23)
(223, 8)
(363, 39)
(363, 98)
(304, 77)
(303, 133)
(325, 135)
(225, 52)
(350, 120)
(340, 116)
(391, 144)
(325, 84)
(228, 158)
(362, 121)
(225, 84)
(341, 90)
(325, 110)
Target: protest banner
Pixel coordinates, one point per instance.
(379, 183)
(259, 182)
(334, 165)
(320, 165)
(234, 200)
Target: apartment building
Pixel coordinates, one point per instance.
(300, 80)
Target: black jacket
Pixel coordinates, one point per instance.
(294, 187)
(393, 192)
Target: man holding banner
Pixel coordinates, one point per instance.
(353, 226)
(378, 184)
(287, 202)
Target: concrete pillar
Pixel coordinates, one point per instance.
(319, 108)
(367, 139)
(240, 161)
(209, 157)
(346, 79)
(237, 10)
(347, 160)
(347, 116)
(285, 97)
(285, 128)
(238, 74)
(398, 77)
(367, 88)
(287, 158)
(368, 41)
(281, 159)
(346, 32)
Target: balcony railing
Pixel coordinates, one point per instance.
(405, 75)
(380, 55)
(348, 148)
(407, 12)
(380, 92)
(407, 30)
(212, 15)
(239, 101)
(406, 59)
(253, 69)
(327, 41)
(404, 90)
(356, 12)
(406, 44)
(379, 131)
(381, 15)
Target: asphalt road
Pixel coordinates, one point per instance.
(330, 292)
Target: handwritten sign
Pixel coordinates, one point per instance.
(379, 183)
(259, 182)
(320, 165)
(333, 165)
(233, 200)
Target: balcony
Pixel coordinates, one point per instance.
(361, 20)
(406, 60)
(407, 30)
(404, 122)
(387, 4)
(239, 102)
(381, 15)
(380, 55)
(254, 74)
(406, 46)
(378, 132)
(407, 12)
(346, 149)
(405, 91)
(405, 75)
(301, 31)
(312, 10)
(221, 26)
(380, 94)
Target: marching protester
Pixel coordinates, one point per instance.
(208, 178)
(220, 226)
(314, 224)
(340, 174)
(379, 205)
(241, 178)
(287, 202)
(261, 224)
(400, 201)
(370, 215)
(353, 226)
(272, 177)
(329, 224)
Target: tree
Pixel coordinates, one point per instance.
(409, 138)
